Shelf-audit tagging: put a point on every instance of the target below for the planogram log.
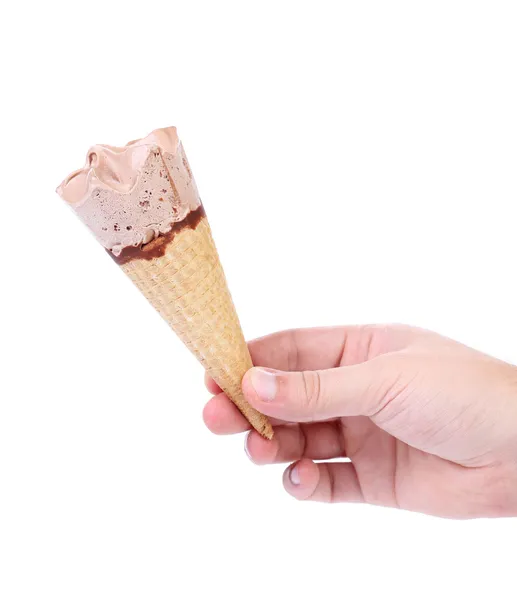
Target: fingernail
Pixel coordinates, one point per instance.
(264, 384)
(247, 437)
(294, 475)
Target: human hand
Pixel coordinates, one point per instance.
(428, 424)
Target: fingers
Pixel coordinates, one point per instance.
(299, 349)
(211, 385)
(318, 441)
(222, 417)
(319, 353)
(323, 482)
(296, 349)
(362, 389)
(328, 347)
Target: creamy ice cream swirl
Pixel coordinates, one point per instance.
(130, 195)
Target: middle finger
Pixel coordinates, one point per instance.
(317, 441)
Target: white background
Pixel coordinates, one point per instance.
(358, 164)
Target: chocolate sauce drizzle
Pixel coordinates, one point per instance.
(156, 248)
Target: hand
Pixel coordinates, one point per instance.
(428, 424)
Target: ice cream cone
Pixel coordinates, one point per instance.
(142, 204)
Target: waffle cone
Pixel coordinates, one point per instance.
(187, 286)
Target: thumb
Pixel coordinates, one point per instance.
(362, 389)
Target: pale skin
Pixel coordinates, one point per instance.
(428, 424)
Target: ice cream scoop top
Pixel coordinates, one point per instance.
(130, 195)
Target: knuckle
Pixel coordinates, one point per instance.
(312, 390)
(392, 391)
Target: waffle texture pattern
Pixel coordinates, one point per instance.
(187, 286)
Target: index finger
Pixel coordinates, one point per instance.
(328, 347)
